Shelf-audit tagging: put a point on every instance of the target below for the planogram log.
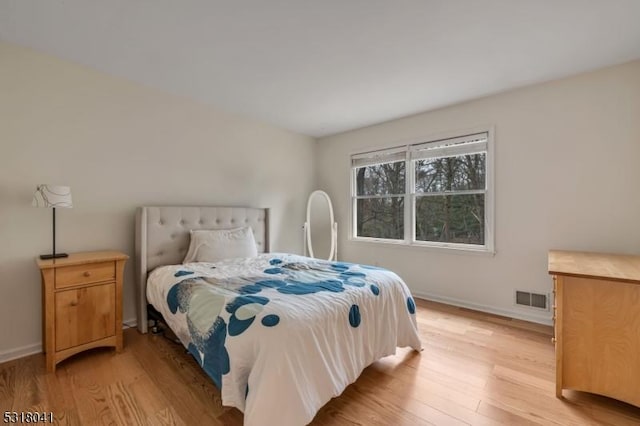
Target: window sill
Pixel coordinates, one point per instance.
(427, 247)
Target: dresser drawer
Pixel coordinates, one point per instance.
(69, 276)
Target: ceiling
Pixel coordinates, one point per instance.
(325, 66)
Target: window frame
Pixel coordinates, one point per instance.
(410, 197)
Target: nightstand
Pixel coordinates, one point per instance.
(81, 303)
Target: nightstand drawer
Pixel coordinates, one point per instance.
(84, 274)
(84, 315)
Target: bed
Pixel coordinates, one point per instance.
(279, 334)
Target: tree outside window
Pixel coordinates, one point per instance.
(442, 186)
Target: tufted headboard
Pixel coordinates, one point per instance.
(162, 238)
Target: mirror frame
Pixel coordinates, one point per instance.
(333, 253)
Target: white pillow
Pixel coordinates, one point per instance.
(215, 245)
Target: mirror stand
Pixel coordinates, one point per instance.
(306, 228)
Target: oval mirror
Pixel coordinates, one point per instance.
(320, 227)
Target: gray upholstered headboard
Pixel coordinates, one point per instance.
(162, 238)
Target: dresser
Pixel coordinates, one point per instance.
(81, 303)
(597, 323)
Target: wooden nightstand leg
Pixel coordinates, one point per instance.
(118, 303)
(44, 318)
(51, 362)
(48, 319)
(119, 344)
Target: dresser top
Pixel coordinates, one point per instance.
(615, 267)
(81, 259)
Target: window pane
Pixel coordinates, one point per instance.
(381, 218)
(381, 179)
(459, 173)
(450, 218)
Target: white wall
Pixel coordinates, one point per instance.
(567, 176)
(120, 145)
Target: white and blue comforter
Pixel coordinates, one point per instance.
(281, 334)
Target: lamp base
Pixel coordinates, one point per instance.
(53, 256)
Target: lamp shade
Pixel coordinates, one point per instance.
(55, 196)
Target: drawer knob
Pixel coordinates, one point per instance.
(553, 340)
(87, 274)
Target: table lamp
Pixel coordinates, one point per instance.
(53, 196)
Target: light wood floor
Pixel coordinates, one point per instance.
(476, 369)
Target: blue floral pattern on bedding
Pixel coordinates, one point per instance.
(229, 307)
(259, 325)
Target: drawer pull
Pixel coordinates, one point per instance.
(73, 303)
(553, 340)
(87, 274)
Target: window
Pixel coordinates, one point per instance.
(436, 193)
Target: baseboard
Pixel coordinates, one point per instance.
(20, 352)
(36, 348)
(511, 313)
(130, 323)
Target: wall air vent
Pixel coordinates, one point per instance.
(533, 300)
